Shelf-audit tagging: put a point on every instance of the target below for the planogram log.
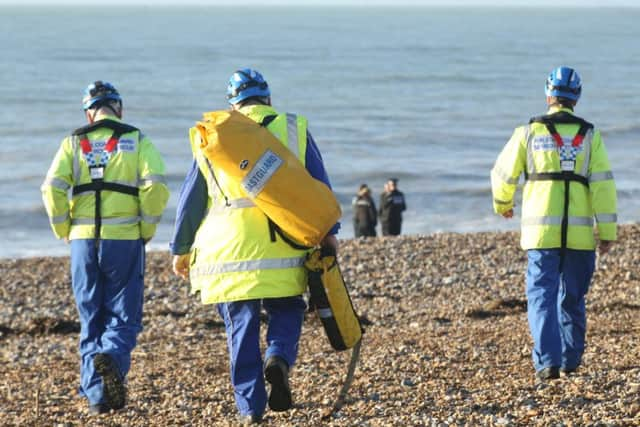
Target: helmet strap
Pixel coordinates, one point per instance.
(91, 114)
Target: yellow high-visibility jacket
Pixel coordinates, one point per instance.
(134, 165)
(235, 255)
(533, 151)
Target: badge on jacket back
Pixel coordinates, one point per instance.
(568, 155)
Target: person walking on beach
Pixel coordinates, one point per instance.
(242, 271)
(392, 205)
(568, 182)
(365, 216)
(116, 179)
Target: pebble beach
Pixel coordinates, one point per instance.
(446, 342)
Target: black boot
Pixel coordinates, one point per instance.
(247, 420)
(550, 373)
(276, 372)
(99, 408)
(115, 392)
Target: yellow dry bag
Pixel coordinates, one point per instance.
(277, 182)
(331, 300)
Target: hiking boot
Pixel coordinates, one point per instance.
(99, 408)
(276, 372)
(249, 419)
(550, 373)
(568, 371)
(115, 392)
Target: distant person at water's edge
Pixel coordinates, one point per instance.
(116, 178)
(244, 272)
(568, 183)
(365, 216)
(392, 204)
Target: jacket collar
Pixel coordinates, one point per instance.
(262, 110)
(104, 116)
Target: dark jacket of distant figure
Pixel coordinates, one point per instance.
(391, 206)
(365, 217)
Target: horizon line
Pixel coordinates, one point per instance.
(231, 3)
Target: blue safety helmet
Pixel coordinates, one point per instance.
(564, 82)
(246, 83)
(99, 92)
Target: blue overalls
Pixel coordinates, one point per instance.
(242, 322)
(556, 305)
(108, 285)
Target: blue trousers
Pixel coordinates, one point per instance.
(242, 321)
(556, 305)
(108, 283)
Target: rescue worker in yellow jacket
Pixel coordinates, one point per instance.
(229, 250)
(115, 177)
(567, 184)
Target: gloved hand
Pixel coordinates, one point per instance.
(604, 246)
(329, 245)
(180, 265)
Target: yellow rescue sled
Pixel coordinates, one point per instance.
(277, 182)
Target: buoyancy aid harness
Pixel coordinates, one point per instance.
(97, 166)
(568, 155)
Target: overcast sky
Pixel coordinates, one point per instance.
(592, 3)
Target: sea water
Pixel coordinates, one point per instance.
(427, 95)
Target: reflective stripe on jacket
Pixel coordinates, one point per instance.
(135, 163)
(532, 150)
(234, 256)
